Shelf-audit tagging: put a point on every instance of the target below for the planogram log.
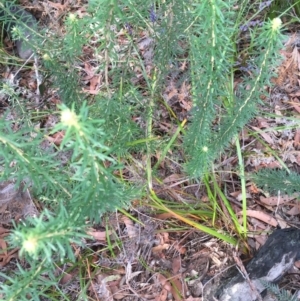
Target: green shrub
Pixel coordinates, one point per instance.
(220, 110)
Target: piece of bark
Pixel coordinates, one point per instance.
(270, 264)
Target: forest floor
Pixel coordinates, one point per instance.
(150, 251)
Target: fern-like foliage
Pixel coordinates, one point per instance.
(219, 111)
(277, 180)
(281, 294)
(49, 236)
(27, 283)
(22, 158)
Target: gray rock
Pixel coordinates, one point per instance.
(14, 15)
(270, 264)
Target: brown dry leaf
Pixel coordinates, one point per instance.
(296, 104)
(271, 165)
(253, 189)
(181, 249)
(260, 241)
(60, 8)
(297, 139)
(268, 219)
(89, 71)
(3, 247)
(163, 295)
(166, 287)
(296, 94)
(118, 293)
(297, 264)
(235, 193)
(176, 288)
(278, 113)
(99, 235)
(295, 210)
(66, 278)
(256, 224)
(55, 101)
(56, 138)
(94, 79)
(281, 222)
(95, 83)
(5, 259)
(163, 237)
(288, 71)
(298, 159)
(183, 95)
(81, 12)
(239, 196)
(266, 136)
(119, 271)
(262, 123)
(3, 231)
(277, 200)
(172, 178)
(160, 248)
(171, 91)
(184, 65)
(131, 229)
(164, 216)
(168, 128)
(176, 264)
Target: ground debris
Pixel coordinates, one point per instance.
(270, 264)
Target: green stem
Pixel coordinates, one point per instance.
(243, 185)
